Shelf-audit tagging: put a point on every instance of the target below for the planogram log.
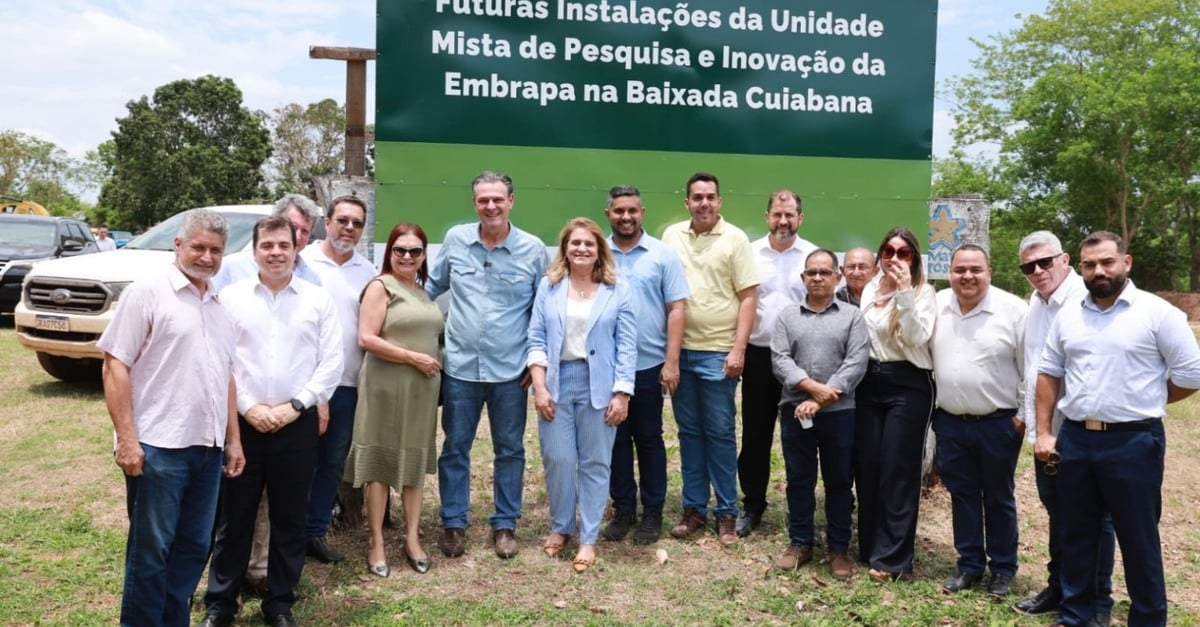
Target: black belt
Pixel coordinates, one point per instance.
(1100, 425)
(999, 413)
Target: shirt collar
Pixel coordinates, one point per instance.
(641, 243)
(503, 244)
(833, 305)
(1060, 293)
(1128, 295)
(179, 281)
(717, 229)
(984, 306)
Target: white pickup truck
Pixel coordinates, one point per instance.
(67, 303)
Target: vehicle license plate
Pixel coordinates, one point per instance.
(52, 323)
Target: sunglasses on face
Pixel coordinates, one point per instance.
(401, 251)
(343, 222)
(1043, 263)
(903, 253)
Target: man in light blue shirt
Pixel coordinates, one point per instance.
(491, 269)
(659, 286)
(1118, 359)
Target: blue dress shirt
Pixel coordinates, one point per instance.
(655, 277)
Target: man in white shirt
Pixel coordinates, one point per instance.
(978, 360)
(1056, 285)
(779, 257)
(344, 273)
(1118, 360)
(168, 359)
(104, 243)
(288, 359)
(303, 214)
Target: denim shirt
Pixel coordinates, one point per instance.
(655, 276)
(491, 295)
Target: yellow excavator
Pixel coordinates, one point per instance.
(9, 204)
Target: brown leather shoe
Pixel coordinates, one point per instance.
(689, 522)
(727, 529)
(839, 566)
(506, 543)
(453, 542)
(794, 557)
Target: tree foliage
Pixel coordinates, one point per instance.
(1096, 109)
(307, 141)
(34, 169)
(192, 144)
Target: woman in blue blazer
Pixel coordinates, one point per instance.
(582, 357)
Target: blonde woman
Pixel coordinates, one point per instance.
(582, 358)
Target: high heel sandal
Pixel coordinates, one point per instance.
(555, 543)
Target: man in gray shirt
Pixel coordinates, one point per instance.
(819, 353)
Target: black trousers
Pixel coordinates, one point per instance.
(893, 405)
(282, 462)
(760, 412)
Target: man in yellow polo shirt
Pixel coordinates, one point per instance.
(721, 274)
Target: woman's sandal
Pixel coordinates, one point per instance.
(581, 564)
(555, 543)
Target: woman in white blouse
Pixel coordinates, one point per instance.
(582, 359)
(893, 406)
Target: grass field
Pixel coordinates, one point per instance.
(62, 530)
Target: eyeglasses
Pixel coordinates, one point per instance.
(1051, 465)
(343, 221)
(903, 253)
(1043, 263)
(401, 251)
(818, 272)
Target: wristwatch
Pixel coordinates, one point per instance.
(297, 405)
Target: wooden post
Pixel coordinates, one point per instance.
(356, 101)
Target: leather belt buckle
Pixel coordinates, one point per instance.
(1095, 425)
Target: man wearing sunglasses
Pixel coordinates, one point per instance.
(978, 359)
(1055, 285)
(1118, 359)
(779, 257)
(343, 273)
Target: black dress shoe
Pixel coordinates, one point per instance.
(213, 619)
(1045, 602)
(324, 552)
(1102, 620)
(619, 526)
(1000, 585)
(961, 581)
(282, 620)
(421, 565)
(747, 521)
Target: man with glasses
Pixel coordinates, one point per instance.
(819, 345)
(978, 360)
(491, 269)
(779, 258)
(343, 273)
(1118, 360)
(858, 268)
(1055, 284)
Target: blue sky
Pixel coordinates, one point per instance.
(70, 66)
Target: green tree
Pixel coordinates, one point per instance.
(34, 169)
(306, 141)
(192, 144)
(1094, 105)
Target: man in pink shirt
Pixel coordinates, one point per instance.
(168, 359)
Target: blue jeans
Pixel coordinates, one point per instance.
(462, 405)
(831, 438)
(171, 507)
(1047, 487)
(332, 449)
(704, 411)
(577, 452)
(976, 461)
(1118, 472)
(643, 431)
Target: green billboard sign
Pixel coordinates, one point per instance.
(833, 99)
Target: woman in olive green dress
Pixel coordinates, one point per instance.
(395, 425)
